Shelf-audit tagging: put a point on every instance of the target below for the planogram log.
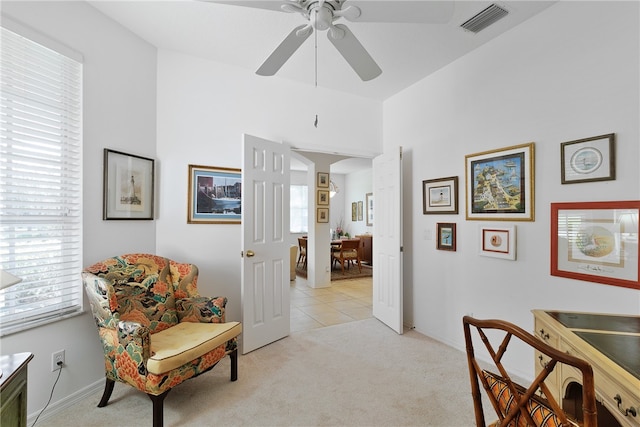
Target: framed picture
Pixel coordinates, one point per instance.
(323, 180)
(446, 236)
(596, 242)
(588, 160)
(360, 214)
(500, 184)
(323, 215)
(440, 196)
(215, 195)
(128, 186)
(323, 197)
(369, 200)
(354, 211)
(498, 242)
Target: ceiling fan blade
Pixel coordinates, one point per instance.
(260, 4)
(355, 54)
(418, 12)
(283, 52)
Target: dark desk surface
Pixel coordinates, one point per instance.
(11, 364)
(603, 322)
(609, 334)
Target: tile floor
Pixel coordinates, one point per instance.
(344, 301)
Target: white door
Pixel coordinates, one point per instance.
(387, 235)
(265, 243)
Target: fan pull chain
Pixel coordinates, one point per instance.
(315, 37)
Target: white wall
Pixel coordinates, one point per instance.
(204, 107)
(569, 73)
(357, 185)
(119, 113)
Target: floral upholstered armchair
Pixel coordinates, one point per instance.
(155, 329)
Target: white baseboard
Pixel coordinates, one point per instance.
(66, 402)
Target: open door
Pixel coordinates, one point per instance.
(265, 243)
(387, 235)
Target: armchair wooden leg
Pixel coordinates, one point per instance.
(108, 389)
(234, 364)
(158, 408)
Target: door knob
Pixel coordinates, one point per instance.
(250, 253)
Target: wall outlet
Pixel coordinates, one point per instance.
(57, 360)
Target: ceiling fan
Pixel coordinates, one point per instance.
(321, 15)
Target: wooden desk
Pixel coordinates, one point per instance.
(13, 389)
(611, 344)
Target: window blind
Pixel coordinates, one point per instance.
(298, 209)
(40, 182)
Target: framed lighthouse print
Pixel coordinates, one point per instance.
(128, 186)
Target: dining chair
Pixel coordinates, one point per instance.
(514, 404)
(302, 256)
(348, 253)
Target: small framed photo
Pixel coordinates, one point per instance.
(588, 160)
(499, 184)
(446, 236)
(128, 186)
(440, 196)
(323, 180)
(596, 242)
(354, 211)
(214, 195)
(360, 208)
(323, 215)
(498, 242)
(369, 199)
(323, 197)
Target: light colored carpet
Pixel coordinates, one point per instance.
(354, 374)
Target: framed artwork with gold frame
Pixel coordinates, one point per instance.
(214, 195)
(500, 184)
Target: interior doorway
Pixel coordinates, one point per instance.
(350, 181)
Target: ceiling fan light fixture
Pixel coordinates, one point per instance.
(336, 33)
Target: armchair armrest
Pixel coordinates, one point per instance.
(102, 299)
(135, 338)
(201, 309)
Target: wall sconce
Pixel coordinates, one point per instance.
(333, 189)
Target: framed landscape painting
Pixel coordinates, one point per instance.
(500, 184)
(214, 196)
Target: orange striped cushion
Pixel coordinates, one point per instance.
(540, 413)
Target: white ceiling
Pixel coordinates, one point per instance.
(245, 36)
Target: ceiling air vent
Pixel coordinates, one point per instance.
(485, 18)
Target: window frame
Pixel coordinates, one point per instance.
(40, 179)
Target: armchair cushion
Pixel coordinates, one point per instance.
(187, 341)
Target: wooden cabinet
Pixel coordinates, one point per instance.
(366, 248)
(13, 389)
(610, 344)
